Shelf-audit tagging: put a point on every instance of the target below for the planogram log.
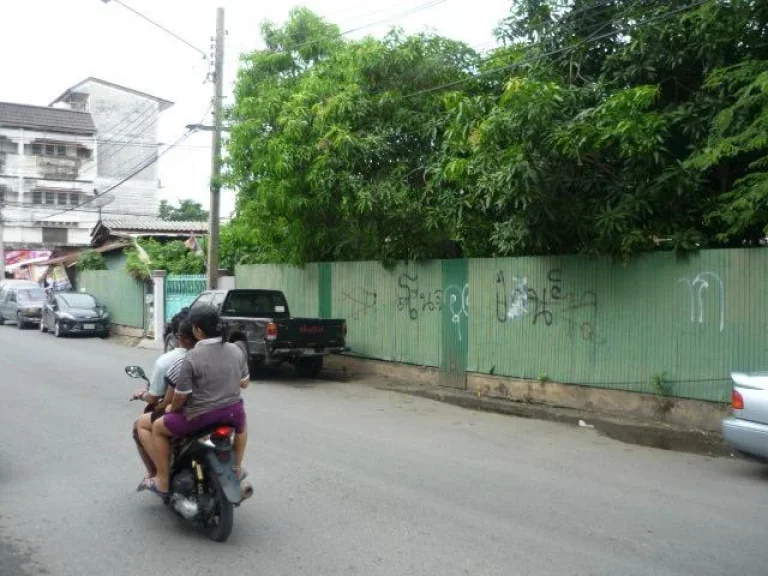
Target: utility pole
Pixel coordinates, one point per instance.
(218, 89)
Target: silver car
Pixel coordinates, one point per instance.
(746, 431)
(21, 301)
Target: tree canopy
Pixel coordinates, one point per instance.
(186, 211)
(597, 126)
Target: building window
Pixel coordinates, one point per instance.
(55, 236)
(50, 198)
(62, 198)
(84, 153)
(37, 197)
(50, 149)
(3, 195)
(7, 146)
(74, 199)
(61, 150)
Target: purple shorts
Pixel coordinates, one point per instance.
(232, 415)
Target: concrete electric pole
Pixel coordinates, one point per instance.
(218, 88)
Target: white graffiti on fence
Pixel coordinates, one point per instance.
(696, 288)
(518, 298)
(458, 305)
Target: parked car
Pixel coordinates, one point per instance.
(260, 322)
(746, 430)
(21, 301)
(74, 313)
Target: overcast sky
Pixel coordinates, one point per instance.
(49, 45)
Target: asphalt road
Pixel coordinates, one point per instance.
(352, 480)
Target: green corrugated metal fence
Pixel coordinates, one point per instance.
(122, 295)
(567, 319)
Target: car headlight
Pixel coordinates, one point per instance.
(66, 316)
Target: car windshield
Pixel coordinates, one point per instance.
(79, 300)
(256, 305)
(31, 295)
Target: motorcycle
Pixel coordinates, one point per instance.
(203, 487)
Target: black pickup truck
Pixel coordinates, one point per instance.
(259, 321)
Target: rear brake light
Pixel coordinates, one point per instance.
(271, 331)
(737, 401)
(221, 433)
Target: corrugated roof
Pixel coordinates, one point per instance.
(45, 118)
(153, 225)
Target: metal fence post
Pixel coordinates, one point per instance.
(158, 281)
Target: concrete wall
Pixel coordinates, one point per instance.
(127, 132)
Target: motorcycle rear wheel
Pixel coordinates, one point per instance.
(219, 526)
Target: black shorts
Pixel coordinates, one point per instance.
(155, 413)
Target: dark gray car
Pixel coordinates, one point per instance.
(74, 313)
(21, 301)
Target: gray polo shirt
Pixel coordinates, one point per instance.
(210, 374)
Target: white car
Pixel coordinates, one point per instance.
(746, 430)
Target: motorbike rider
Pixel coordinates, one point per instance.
(159, 394)
(208, 392)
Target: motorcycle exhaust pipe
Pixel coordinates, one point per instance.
(246, 490)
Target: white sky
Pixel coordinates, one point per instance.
(50, 45)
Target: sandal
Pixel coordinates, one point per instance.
(151, 485)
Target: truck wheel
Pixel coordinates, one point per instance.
(309, 367)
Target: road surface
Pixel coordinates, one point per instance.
(353, 480)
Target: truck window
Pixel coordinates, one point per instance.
(256, 305)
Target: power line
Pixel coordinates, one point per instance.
(158, 25)
(531, 60)
(126, 178)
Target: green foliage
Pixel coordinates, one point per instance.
(90, 260)
(186, 211)
(173, 257)
(614, 128)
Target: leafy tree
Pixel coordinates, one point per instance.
(90, 260)
(173, 256)
(186, 211)
(598, 126)
(329, 153)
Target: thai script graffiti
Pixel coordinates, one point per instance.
(421, 302)
(696, 289)
(578, 310)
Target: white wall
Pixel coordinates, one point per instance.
(127, 138)
(24, 172)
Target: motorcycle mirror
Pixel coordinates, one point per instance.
(135, 372)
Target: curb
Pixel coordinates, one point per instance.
(642, 433)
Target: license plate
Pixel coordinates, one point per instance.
(89, 326)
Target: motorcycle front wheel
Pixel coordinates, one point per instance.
(219, 525)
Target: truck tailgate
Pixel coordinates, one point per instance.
(310, 333)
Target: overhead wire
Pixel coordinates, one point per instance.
(161, 27)
(126, 178)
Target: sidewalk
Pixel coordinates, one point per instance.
(632, 430)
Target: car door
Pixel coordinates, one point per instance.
(11, 307)
(3, 296)
(50, 304)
